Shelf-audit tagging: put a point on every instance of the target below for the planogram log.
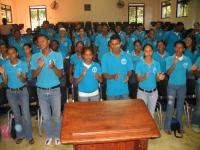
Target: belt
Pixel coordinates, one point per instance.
(148, 91)
(16, 89)
(51, 88)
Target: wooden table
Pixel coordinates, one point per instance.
(108, 125)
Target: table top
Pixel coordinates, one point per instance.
(107, 121)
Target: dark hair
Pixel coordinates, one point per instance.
(27, 44)
(179, 42)
(3, 43)
(137, 41)
(55, 41)
(16, 30)
(43, 35)
(81, 28)
(87, 49)
(79, 42)
(147, 45)
(193, 44)
(104, 24)
(13, 48)
(46, 21)
(115, 37)
(161, 41)
(179, 24)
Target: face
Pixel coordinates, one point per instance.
(81, 32)
(129, 29)
(12, 54)
(99, 29)
(158, 25)
(137, 46)
(104, 29)
(179, 49)
(27, 50)
(17, 34)
(115, 45)
(29, 32)
(140, 28)
(3, 49)
(79, 47)
(188, 42)
(88, 56)
(43, 43)
(161, 46)
(46, 25)
(62, 33)
(151, 34)
(118, 29)
(148, 51)
(54, 45)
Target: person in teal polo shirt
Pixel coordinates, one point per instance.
(17, 41)
(172, 36)
(122, 35)
(150, 39)
(177, 67)
(87, 75)
(197, 33)
(101, 42)
(46, 30)
(159, 33)
(83, 37)
(47, 67)
(139, 32)
(136, 56)
(148, 73)
(130, 39)
(14, 74)
(116, 69)
(196, 112)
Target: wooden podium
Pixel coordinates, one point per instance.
(108, 125)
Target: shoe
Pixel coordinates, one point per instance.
(168, 132)
(48, 141)
(31, 141)
(19, 141)
(57, 141)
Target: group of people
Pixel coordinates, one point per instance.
(132, 64)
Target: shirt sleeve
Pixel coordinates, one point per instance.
(99, 71)
(130, 63)
(33, 63)
(77, 71)
(97, 41)
(25, 67)
(168, 63)
(104, 65)
(189, 64)
(138, 69)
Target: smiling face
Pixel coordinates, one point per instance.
(27, 50)
(188, 42)
(148, 51)
(115, 45)
(179, 49)
(3, 49)
(161, 46)
(43, 42)
(137, 46)
(12, 54)
(88, 56)
(79, 47)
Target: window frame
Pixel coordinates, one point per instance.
(168, 3)
(6, 10)
(181, 2)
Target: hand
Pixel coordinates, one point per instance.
(84, 72)
(40, 62)
(19, 74)
(2, 70)
(97, 76)
(51, 65)
(175, 59)
(126, 78)
(71, 79)
(194, 67)
(116, 76)
(161, 76)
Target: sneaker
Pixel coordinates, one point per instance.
(48, 141)
(57, 141)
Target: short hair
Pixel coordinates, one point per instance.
(179, 24)
(43, 35)
(55, 41)
(87, 49)
(46, 21)
(3, 43)
(27, 44)
(161, 41)
(79, 42)
(115, 37)
(12, 47)
(137, 41)
(179, 42)
(147, 45)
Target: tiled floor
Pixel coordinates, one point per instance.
(190, 141)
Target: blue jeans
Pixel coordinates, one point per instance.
(89, 99)
(16, 99)
(196, 113)
(150, 99)
(118, 97)
(50, 100)
(179, 92)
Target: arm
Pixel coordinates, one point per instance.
(142, 78)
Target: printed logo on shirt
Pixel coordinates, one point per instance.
(94, 69)
(185, 65)
(123, 61)
(51, 60)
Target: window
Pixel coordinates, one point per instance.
(6, 12)
(136, 13)
(182, 8)
(165, 9)
(38, 14)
